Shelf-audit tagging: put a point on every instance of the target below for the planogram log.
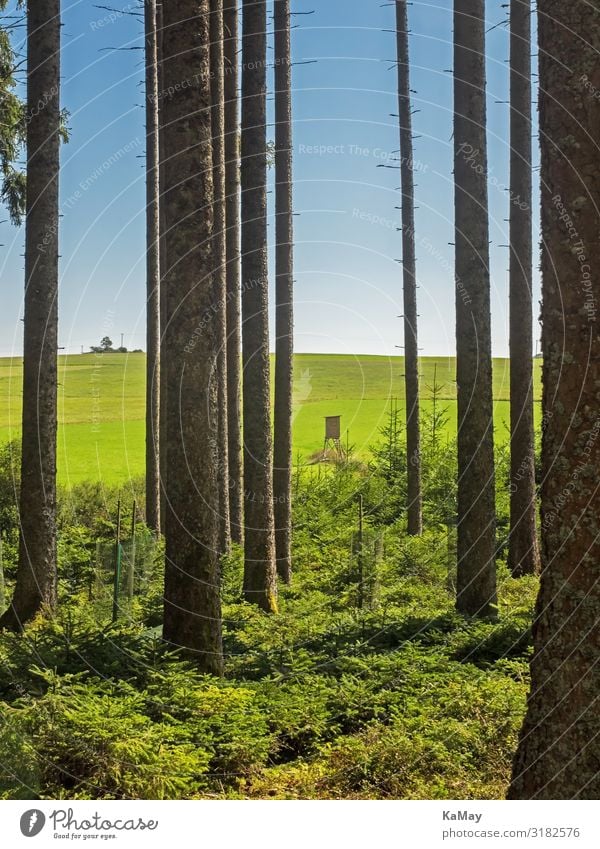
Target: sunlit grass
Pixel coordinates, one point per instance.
(101, 405)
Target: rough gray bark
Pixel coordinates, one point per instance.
(152, 274)
(192, 616)
(284, 293)
(232, 214)
(558, 753)
(476, 575)
(260, 579)
(36, 574)
(523, 550)
(409, 281)
(219, 256)
(163, 266)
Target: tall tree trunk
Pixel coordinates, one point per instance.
(162, 427)
(219, 256)
(476, 577)
(232, 214)
(192, 617)
(260, 579)
(558, 753)
(152, 273)
(36, 574)
(284, 292)
(409, 283)
(523, 551)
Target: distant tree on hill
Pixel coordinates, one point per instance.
(106, 347)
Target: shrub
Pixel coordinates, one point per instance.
(90, 740)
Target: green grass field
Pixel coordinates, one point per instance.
(101, 405)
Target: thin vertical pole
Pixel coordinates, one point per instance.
(452, 566)
(97, 571)
(361, 597)
(2, 587)
(131, 568)
(117, 579)
(434, 420)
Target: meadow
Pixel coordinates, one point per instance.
(101, 406)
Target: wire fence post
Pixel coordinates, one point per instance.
(451, 555)
(131, 567)
(361, 569)
(117, 576)
(2, 586)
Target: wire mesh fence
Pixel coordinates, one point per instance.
(123, 571)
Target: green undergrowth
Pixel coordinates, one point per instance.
(367, 684)
(405, 700)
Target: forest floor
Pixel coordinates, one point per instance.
(373, 694)
(101, 406)
(366, 684)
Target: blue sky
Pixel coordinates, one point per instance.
(348, 280)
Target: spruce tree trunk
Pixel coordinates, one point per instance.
(163, 271)
(284, 292)
(476, 573)
(409, 282)
(260, 580)
(219, 256)
(36, 574)
(192, 615)
(152, 274)
(523, 552)
(559, 750)
(233, 312)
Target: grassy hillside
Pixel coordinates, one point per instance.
(101, 405)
